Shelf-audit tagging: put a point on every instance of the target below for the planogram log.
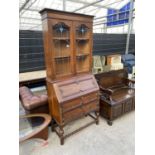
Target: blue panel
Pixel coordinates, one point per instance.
(117, 18)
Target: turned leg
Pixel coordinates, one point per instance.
(61, 135)
(109, 122)
(97, 117)
(52, 125)
(62, 141)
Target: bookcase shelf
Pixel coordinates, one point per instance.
(62, 57)
(61, 38)
(82, 39)
(82, 55)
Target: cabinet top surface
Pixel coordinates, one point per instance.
(47, 10)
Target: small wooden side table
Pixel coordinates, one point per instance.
(34, 126)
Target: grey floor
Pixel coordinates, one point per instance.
(101, 139)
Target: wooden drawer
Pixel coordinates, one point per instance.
(73, 114)
(90, 97)
(92, 106)
(70, 105)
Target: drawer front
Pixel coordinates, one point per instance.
(70, 105)
(90, 97)
(73, 114)
(92, 106)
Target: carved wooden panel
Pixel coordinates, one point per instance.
(128, 105)
(117, 110)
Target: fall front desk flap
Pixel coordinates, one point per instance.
(75, 87)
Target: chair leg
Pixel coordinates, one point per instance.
(61, 135)
(97, 117)
(53, 125)
(109, 122)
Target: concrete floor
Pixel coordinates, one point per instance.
(101, 139)
(94, 140)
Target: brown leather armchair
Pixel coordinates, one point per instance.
(117, 96)
(33, 103)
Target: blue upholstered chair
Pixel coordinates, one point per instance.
(129, 61)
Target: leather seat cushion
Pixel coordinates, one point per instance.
(31, 101)
(122, 94)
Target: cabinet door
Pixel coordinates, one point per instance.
(62, 48)
(83, 46)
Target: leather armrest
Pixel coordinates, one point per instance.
(127, 81)
(107, 91)
(130, 80)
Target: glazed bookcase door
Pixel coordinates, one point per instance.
(62, 47)
(83, 37)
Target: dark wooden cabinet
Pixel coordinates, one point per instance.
(113, 111)
(72, 90)
(117, 97)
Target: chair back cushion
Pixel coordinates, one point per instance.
(127, 57)
(111, 82)
(111, 78)
(31, 101)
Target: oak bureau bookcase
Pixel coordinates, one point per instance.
(72, 89)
